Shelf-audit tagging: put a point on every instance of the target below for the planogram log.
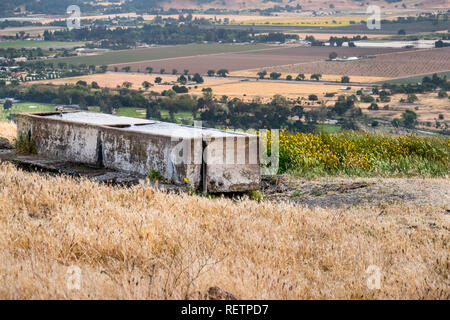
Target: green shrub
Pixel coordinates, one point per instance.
(25, 145)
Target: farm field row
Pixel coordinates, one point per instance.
(251, 59)
(17, 44)
(325, 77)
(416, 79)
(32, 30)
(398, 64)
(153, 53)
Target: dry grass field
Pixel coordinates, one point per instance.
(140, 243)
(249, 90)
(8, 130)
(427, 108)
(114, 79)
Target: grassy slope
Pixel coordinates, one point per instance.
(135, 55)
(138, 243)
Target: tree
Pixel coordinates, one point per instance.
(345, 79)
(262, 74)
(211, 73)
(8, 104)
(412, 98)
(401, 32)
(149, 69)
(103, 68)
(174, 71)
(162, 71)
(81, 83)
(126, 69)
(275, 75)
(186, 72)
(333, 55)
(222, 72)
(197, 78)
(158, 80)
(409, 118)
(94, 85)
(289, 77)
(442, 94)
(316, 76)
(297, 111)
(127, 84)
(313, 97)
(146, 85)
(396, 122)
(182, 79)
(300, 77)
(373, 106)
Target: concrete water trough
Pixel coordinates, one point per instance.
(214, 160)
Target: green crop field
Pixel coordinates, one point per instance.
(17, 44)
(25, 107)
(135, 55)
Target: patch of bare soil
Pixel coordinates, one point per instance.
(342, 191)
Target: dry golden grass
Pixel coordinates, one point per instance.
(114, 79)
(141, 243)
(266, 89)
(8, 130)
(427, 108)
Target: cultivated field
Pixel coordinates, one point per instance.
(37, 30)
(325, 77)
(397, 64)
(17, 44)
(252, 59)
(162, 52)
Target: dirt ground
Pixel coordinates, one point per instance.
(344, 191)
(391, 65)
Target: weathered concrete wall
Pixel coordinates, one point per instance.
(60, 139)
(230, 162)
(142, 152)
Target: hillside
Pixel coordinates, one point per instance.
(140, 243)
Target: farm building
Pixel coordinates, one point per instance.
(217, 161)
